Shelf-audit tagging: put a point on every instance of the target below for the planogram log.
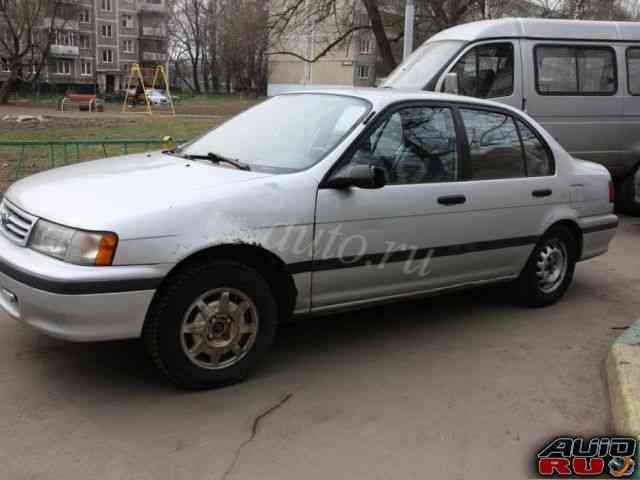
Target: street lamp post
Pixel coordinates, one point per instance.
(409, 22)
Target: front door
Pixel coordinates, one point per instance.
(110, 85)
(373, 244)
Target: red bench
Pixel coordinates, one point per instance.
(84, 102)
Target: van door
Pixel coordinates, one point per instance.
(573, 90)
(489, 70)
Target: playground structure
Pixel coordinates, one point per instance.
(139, 79)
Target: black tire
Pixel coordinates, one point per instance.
(529, 287)
(626, 196)
(163, 336)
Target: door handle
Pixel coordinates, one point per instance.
(452, 200)
(542, 193)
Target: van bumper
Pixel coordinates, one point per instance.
(72, 302)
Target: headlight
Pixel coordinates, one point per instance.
(73, 246)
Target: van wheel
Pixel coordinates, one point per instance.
(549, 270)
(629, 194)
(211, 325)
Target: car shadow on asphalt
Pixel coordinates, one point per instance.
(123, 365)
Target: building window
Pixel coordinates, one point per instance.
(4, 65)
(65, 37)
(365, 45)
(106, 30)
(85, 16)
(63, 67)
(127, 46)
(85, 68)
(107, 56)
(363, 72)
(85, 42)
(106, 5)
(127, 21)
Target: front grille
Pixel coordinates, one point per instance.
(15, 223)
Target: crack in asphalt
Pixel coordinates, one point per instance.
(254, 432)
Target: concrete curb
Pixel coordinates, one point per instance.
(623, 377)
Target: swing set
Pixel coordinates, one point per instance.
(142, 75)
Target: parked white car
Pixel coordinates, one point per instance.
(306, 203)
(157, 97)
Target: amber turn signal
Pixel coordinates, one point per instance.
(107, 250)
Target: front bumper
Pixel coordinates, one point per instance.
(74, 302)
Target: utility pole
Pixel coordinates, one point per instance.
(409, 23)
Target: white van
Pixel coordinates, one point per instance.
(580, 79)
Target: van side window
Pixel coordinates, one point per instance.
(572, 70)
(494, 145)
(537, 157)
(486, 71)
(633, 70)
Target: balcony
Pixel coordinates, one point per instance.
(153, 32)
(152, 6)
(154, 57)
(64, 51)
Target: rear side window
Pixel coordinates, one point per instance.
(633, 70)
(486, 71)
(575, 70)
(537, 157)
(494, 145)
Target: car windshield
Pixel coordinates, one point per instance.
(423, 64)
(285, 134)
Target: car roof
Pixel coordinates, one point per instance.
(382, 97)
(542, 28)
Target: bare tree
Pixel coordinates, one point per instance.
(27, 31)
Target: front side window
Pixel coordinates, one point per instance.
(633, 70)
(413, 145)
(285, 134)
(572, 70)
(494, 145)
(486, 71)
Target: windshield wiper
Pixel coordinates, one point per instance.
(215, 158)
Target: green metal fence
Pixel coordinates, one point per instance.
(25, 157)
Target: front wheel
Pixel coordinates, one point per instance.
(550, 268)
(211, 325)
(629, 194)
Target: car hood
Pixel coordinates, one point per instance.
(99, 195)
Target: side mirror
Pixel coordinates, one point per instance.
(451, 84)
(360, 176)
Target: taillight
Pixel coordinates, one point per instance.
(612, 192)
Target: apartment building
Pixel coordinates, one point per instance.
(97, 47)
(351, 63)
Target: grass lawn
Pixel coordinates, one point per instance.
(108, 126)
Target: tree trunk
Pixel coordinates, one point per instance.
(8, 85)
(384, 46)
(196, 81)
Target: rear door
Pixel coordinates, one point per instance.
(573, 90)
(510, 183)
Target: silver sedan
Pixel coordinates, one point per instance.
(307, 203)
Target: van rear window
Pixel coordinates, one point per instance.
(575, 70)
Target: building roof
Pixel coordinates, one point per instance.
(542, 28)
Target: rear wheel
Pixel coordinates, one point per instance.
(629, 194)
(211, 325)
(550, 268)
